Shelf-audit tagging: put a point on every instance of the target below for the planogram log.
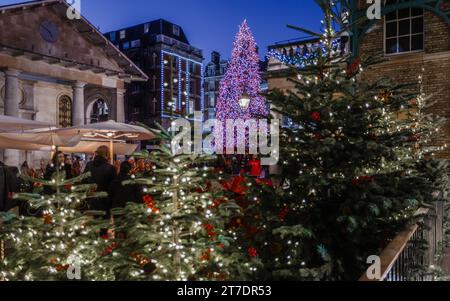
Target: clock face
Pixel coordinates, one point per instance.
(49, 31)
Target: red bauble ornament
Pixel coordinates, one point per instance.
(316, 116)
(252, 252)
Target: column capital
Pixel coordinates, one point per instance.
(12, 72)
(121, 91)
(79, 84)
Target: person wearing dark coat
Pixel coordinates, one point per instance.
(122, 194)
(102, 174)
(50, 171)
(7, 186)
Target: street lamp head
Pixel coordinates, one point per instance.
(244, 102)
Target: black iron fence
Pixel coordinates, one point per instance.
(412, 252)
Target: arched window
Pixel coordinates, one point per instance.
(64, 112)
(100, 111)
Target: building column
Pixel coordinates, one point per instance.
(120, 105)
(78, 114)
(11, 108)
(12, 92)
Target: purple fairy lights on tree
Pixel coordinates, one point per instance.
(242, 80)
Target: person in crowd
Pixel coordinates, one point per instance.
(235, 168)
(102, 174)
(76, 167)
(68, 166)
(6, 187)
(25, 169)
(255, 167)
(57, 164)
(122, 194)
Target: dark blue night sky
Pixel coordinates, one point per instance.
(209, 24)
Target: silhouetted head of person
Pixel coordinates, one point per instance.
(125, 168)
(102, 151)
(58, 158)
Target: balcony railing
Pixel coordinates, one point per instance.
(414, 250)
(180, 45)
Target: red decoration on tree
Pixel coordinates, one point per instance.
(206, 255)
(210, 230)
(316, 116)
(150, 202)
(48, 220)
(252, 252)
(283, 213)
(218, 202)
(109, 249)
(237, 185)
(362, 179)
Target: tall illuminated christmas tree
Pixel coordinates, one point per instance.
(240, 92)
(352, 169)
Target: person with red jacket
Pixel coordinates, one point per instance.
(255, 167)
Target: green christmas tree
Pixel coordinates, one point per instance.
(179, 230)
(351, 175)
(60, 242)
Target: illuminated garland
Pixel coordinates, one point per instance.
(303, 60)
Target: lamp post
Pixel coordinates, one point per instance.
(244, 102)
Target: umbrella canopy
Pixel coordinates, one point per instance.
(109, 130)
(9, 124)
(86, 147)
(39, 138)
(6, 143)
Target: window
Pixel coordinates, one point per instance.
(146, 28)
(403, 30)
(191, 107)
(65, 112)
(212, 100)
(154, 83)
(112, 36)
(176, 30)
(123, 34)
(212, 86)
(136, 88)
(135, 43)
(100, 111)
(211, 114)
(126, 45)
(211, 70)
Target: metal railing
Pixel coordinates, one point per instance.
(414, 250)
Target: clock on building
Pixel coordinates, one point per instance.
(49, 31)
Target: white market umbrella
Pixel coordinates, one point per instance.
(87, 147)
(109, 131)
(6, 143)
(42, 138)
(11, 124)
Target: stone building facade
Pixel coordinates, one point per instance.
(214, 72)
(58, 70)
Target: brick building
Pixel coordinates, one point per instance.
(174, 67)
(414, 37)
